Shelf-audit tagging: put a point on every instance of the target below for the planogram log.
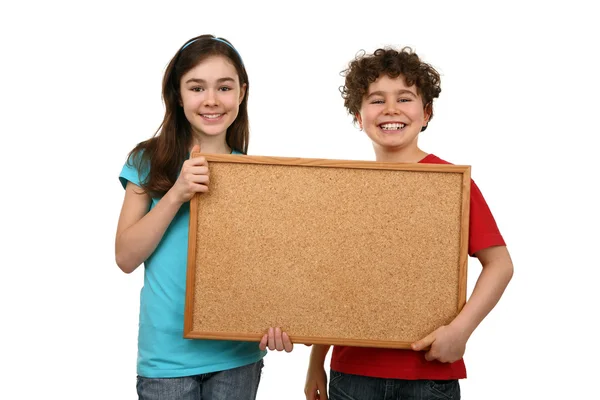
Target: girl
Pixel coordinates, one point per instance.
(205, 91)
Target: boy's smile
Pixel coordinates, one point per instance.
(392, 127)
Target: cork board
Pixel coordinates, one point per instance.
(356, 253)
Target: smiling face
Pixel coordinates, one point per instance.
(211, 95)
(392, 114)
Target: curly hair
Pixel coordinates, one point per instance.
(367, 68)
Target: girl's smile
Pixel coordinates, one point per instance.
(212, 118)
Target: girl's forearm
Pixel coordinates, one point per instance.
(136, 243)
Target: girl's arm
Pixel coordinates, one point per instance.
(448, 342)
(140, 231)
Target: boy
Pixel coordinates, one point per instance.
(390, 94)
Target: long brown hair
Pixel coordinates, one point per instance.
(163, 154)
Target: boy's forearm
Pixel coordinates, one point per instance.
(490, 286)
(318, 354)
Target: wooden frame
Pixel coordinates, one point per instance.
(356, 253)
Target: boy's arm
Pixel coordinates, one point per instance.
(448, 342)
(316, 378)
(494, 278)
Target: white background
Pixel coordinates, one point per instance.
(80, 86)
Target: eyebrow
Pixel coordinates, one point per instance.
(382, 93)
(220, 80)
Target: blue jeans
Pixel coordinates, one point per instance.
(356, 387)
(237, 383)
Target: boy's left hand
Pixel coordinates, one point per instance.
(276, 340)
(446, 344)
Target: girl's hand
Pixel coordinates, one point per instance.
(276, 340)
(446, 344)
(192, 179)
(315, 387)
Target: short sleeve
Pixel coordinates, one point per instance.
(133, 172)
(483, 230)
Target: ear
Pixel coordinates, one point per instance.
(242, 93)
(359, 120)
(427, 110)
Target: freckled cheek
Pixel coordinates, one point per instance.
(230, 102)
(192, 102)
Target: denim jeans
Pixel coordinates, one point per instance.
(234, 384)
(356, 387)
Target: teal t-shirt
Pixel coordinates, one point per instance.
(162, 350)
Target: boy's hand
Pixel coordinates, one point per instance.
(276, 340)
(446, 344)
(315, 387)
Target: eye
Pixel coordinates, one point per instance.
(225, 88)
(197, 89)
(377, 102)
(404, 100)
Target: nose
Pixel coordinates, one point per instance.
(391, 108)
(211, 98)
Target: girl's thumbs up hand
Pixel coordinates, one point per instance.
(193, 178)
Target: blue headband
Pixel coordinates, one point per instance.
(218, 40)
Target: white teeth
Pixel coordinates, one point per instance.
(392, 127)
(211, 116)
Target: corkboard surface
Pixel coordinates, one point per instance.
(334, 252)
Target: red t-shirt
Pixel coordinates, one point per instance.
(409, 364)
